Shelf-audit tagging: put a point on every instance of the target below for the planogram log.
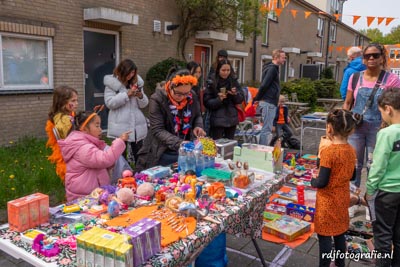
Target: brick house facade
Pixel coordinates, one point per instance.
(61, 28)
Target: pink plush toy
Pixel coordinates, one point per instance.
(127, 173)
(125, 195)
(145, 189)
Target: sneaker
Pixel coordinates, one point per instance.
(352, 211)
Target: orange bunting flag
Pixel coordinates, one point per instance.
(337, 16)
(278, 11)
(355, 18)
(380, 19)
(370, 20)
(294, 12)
(307, 14)
(339, 48)
(388, 20)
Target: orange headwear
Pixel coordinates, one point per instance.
(176, 81)
(96, 111)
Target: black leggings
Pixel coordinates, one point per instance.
(325, 247)
(223, 132)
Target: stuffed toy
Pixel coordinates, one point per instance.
(145, 189)
(125, 195)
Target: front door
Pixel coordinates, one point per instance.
(202, 56)
(99, 59)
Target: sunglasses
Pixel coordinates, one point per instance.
(180, 93)
(374, 55)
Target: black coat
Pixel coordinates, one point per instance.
(270, 89)
(161, 135)
(223, 113)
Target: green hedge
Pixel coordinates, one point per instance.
(159, 71)
(304, 88)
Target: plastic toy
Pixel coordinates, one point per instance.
(45, 246)
(125, 196)
(128, 182)
(113, 208)
(145, 189)
(72, 208)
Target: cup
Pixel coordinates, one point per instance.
(223, 90)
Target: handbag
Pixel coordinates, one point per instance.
(359, 118)
(241, 113)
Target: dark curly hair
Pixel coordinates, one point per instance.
(342, 121)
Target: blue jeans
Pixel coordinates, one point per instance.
(268, 114)
(363, 140)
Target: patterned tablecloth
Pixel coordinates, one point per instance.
(243, 220)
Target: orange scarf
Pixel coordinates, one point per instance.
(178, 105)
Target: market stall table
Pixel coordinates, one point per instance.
(330, 103)
(243, 220)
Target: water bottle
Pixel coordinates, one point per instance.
(182, 160)
(300, 193)
(190, 161)
(199, 162)
(209, 162)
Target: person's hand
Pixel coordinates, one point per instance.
(222, 96)
(199, 132)
(125, 136)
(233, 91)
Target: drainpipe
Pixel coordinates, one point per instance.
(328, 43)
(255, 46)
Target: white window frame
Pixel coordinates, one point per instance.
(396, 71)
(320, 27)
(392, 54)
(31, 88)
(264, 59)
(265, 30)
(240, 57)
(333, 32)
(271, 13)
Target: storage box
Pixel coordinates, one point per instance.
(258, 156)
(225, 147)
(146, 239)
(28, 212)
(287, 227)
(300, 212)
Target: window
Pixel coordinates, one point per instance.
(333, 33)
(265, 31)
(396, 71)
(320, 29)
(394, 53)
(237, 65)
(271, 5)
(26, 62)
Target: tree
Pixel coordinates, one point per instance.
(216, 15)
(394, 35)
(374, 34)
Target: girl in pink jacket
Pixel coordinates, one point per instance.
(87, 161)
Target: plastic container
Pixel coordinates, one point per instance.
(300, 193)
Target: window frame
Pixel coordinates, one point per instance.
(392, 54)
(320, 27)
(333, 33)
(272, 14)
(34, 88)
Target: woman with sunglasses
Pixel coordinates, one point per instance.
(222, 94)
(364, 137)
(175, 117)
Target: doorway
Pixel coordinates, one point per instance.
(202, 55)
(100, 59)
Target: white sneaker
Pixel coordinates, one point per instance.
(367, 215)
(352, 211)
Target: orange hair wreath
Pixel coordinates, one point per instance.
(96, 111)
(187, 79)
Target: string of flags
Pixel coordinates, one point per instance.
(272, 5)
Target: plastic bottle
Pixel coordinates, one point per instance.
(190, 161)
(199, 162)
(182, 160)
(300, 193)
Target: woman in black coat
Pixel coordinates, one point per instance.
(174, 114)
(223, 92)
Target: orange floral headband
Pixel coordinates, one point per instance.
(96, 111)
(187, 79)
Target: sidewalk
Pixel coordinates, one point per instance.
(242, 252)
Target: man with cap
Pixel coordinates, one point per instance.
(354, 57)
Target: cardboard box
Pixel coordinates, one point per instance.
(28, 212)
(225, 147)
(146, 239)
(258, 156)
(300, 212)
(287, 227)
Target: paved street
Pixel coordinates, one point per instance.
(242, 252)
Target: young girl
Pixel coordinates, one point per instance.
(87, 161)
(337, 168)
(60, 123)
(223, 92)
(383, 181)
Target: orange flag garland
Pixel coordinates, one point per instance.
(307, 14)
(370, 20)
(294, 12)
(380, 19)
(355, 19)
(278, 11)
(388, 20)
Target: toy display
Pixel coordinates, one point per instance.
(145, 190)
(45, 246)
(125, 196)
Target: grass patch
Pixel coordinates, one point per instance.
(24, 169)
